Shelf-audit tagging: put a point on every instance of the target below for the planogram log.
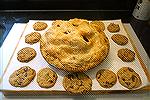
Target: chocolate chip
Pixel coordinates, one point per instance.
(50, 81)
(25, 74)
(25, 69)
(107, 82)
(133, 78)
(68, 31)
(65, 32)
(131, 70)
(17, 74)
(73, 58)
(71, 87)
(90, 84)
(123, 79)
(84, 91)
(53, 75)
(81, 83)
(112, 83)
(105, 86)
(99, 77)
(18, 82)
(128, 83)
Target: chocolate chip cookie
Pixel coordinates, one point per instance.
(106, 78)
(22, 77)
(120, 39)
(98, 25)
(26, 54)
(78, 83)
(112, 27)
(32, 38)
(126, 55)
(128, 78)
(46, 78)
(39, 26)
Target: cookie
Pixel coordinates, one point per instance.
(74, 46)
(120, 39)
(126, 55)
(112, 27)
(26, 54)
(106, 78)
(129, 78)
(78, 83)
(98, 25)
(46, 78)
(39, 26)
(32, 38)
(22, 77)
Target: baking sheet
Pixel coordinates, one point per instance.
(112, 62)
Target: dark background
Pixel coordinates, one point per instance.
(66, 9)
(67, 4)
(21, 11)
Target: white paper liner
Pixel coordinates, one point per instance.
(112, 62)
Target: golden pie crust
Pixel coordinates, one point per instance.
(74, 45)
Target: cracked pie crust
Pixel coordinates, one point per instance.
(74, 45)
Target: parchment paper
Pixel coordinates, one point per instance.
(112, 62)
